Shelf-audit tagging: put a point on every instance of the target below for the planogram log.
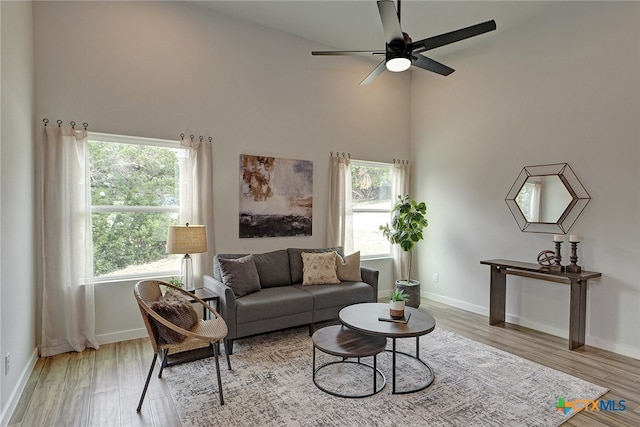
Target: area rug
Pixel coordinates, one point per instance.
(475, 385)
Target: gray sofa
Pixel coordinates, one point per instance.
(282, 301)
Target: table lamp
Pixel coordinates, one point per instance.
(187, 239)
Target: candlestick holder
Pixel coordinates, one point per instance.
(573, 267)
(558, 257)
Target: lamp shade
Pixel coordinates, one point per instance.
(186, 239)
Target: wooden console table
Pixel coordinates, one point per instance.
(578, 300)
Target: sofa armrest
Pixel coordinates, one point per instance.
(227, 303)
(370, 276)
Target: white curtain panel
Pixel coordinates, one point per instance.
(340, 214)
(196, 197)
(400, 184)
(68, 310)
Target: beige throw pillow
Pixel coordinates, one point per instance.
(319, 268)
(348, 268)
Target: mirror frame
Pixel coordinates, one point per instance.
(579, 198)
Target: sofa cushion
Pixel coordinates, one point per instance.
(240, 275)
(177, 309)
(295, 260)
(319, 268)
(346, 293)
(272, 303)
(273, 268)
(348, 267)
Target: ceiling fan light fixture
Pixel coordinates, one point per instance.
(398, 63)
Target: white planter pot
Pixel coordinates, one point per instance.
(396, 309)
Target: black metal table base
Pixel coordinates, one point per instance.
(377, 387)
(394, 352)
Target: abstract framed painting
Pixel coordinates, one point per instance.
(276, 197)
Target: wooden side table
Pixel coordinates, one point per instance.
(364, 317)
(338, 340)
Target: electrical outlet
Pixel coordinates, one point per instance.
(436, 277)
(7, 363)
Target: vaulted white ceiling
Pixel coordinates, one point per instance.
(355, 25)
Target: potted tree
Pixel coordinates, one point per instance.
(407, 223)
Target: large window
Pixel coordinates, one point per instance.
(371, 203)
(135, 196)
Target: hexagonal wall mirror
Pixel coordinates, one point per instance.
(547, 198)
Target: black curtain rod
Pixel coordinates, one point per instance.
(72, 123)
(192, 136)
(346, 156)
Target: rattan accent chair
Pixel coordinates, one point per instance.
(202, 340)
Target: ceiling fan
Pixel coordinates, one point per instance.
(401, 52)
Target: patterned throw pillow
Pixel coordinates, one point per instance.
(177, 309)
(319, 268)
(241, 275)
(348, 268)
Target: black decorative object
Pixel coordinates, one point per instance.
(546, 258)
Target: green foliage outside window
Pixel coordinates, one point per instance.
(134, 197)
(370, 183)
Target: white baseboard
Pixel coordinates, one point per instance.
(484, 311)
(517, 320)
(16, 393)
(478, 309)
(611, 346)
(131, 334)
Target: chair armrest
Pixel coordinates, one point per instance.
(370, 276)
(226, 302)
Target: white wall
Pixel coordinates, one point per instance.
(564, 88)
(17, 277)
(159, 69)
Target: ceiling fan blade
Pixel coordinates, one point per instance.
(375, 73)
(349, 52)
(452, 37)
(390, 21)
(429, 64)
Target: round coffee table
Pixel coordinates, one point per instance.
(364, 318)
(338, 340)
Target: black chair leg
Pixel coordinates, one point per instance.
(216, 352)
(163, 358)
(226, 354)
(146, 384)
(228, 347)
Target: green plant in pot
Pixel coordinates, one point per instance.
(174, 282)
(407, 224)
(397, 300)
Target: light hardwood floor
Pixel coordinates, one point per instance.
(102, 388)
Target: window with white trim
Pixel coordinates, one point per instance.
(135, 196)
(371, 205)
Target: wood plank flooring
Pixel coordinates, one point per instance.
(102, 388)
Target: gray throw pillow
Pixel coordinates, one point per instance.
(273, 268)
(241, 275)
